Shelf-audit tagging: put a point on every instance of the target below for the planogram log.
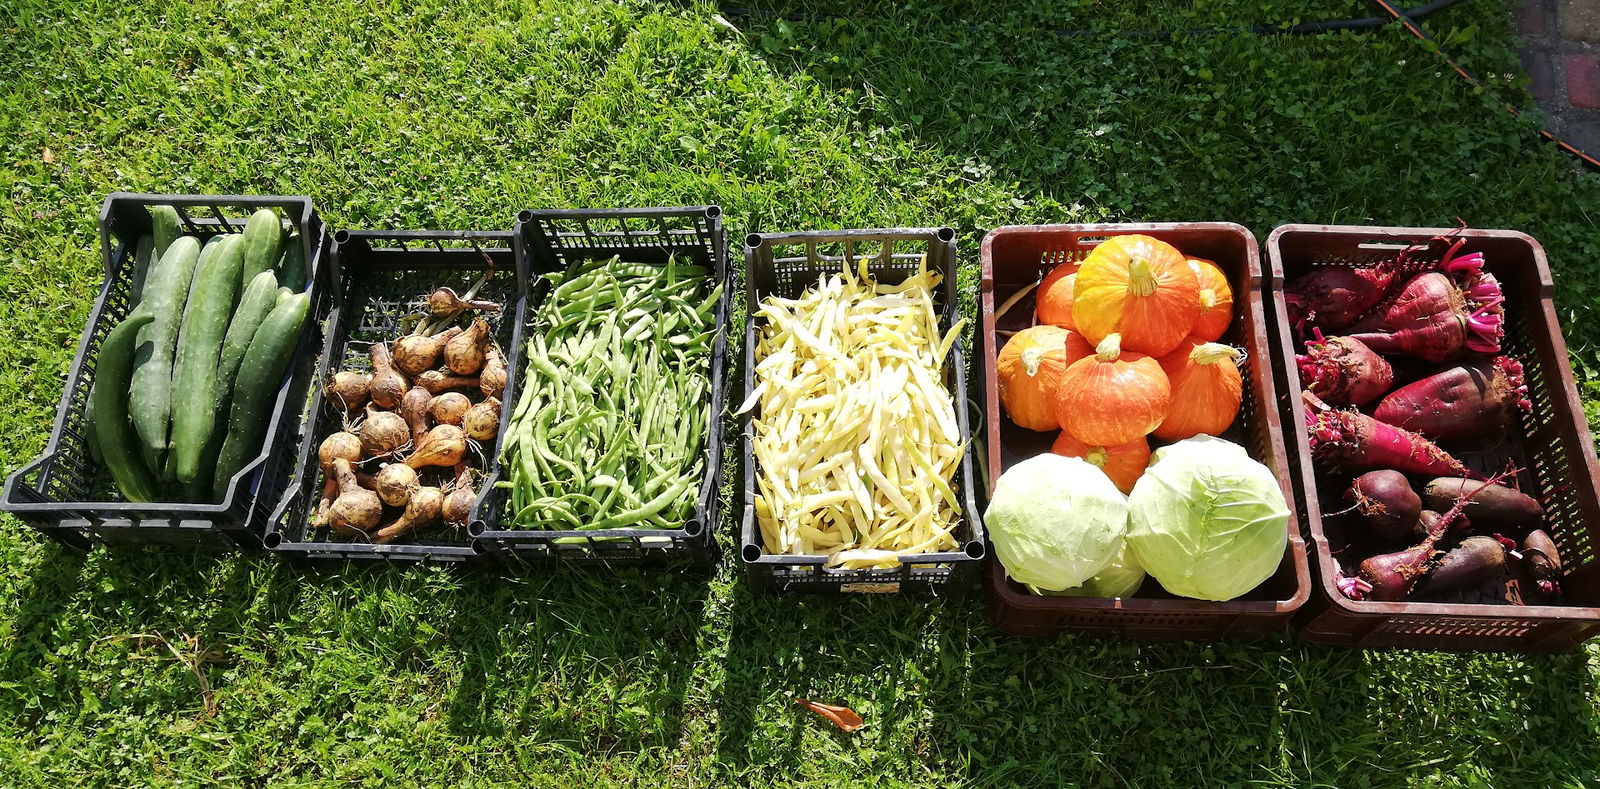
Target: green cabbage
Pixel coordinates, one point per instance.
(1206, 520)
(1121, 578)
(1056, 521)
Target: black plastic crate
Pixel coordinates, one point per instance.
(379, 277)
(68, 496)
(893, 254)
(550, 241)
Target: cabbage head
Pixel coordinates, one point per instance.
(1056, 521)
(1206, 520)
(1121, 578)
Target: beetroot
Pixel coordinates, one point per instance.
(1333, 297)
(1344, 371)
(1389, 577)
(1543, 561)
(1474, 561)
(1495, 506)
(1467, 401)
(1388, 507)
(1431, 319)
(1348, 439)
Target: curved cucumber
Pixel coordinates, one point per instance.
(164, 228)
(263, 244)
(194, 373)
(109, 398)
(256, 387)
(150, 396)
(143, 260)
(258, 300)
(292, 273)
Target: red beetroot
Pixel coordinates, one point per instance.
(1388, 577)
(1431, 319)
(1543, 561)
(1495, 506)
(1388, 507)
(1467, 401)
(1352, 440)
(1333, 297)
(1474, 561)
(1344, 371)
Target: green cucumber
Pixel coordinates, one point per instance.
(113, 373)
(258, 300)
(292, 270)
(194, 372)
(284, 293)
(150, 397)
(257, 386)
(164, 227)
(90, 437)
(143, 260)
(263, 244)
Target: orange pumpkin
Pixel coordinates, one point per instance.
(1028, 370)
(1206, 389)
(1123, 463)
(1112, 397)
(1053, 302)
(1216, 300)
(1139, 287)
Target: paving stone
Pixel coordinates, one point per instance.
(1531, 17)
(1583, 80)
(1541, 74)
(1582, 130)
(1580, 19)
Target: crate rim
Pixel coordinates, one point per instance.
(1258, 287)
(695, 531)
(330, 551)
(1326, 567)
(973, 550)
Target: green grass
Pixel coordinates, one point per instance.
(432, 114)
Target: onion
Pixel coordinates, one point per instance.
(422, 509)
(448, 408)
(383, 432)
(348, 389)
(387, 386)
(482, 421)
(458, 502)
(414, 409)
(395, 484)
(436, 382)
(464, 353)
(492, 379)
(444, 445)
(356, 509)
(339, 445)
(415, 353)
(444, 301)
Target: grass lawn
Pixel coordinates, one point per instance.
(428, 114)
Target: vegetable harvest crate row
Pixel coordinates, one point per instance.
(360, 283)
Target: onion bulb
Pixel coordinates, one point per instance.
(383, 432)
(482, 421)
(448, 408)
(395, 483)
(444, 445)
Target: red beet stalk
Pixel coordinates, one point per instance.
(1343, 371)
(1471, 400)
(1352, 440)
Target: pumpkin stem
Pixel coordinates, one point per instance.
(1141, 280)
(1110, 348)
(1097, 456)
(1208, 297)
(1213, 352)
(1031, 359)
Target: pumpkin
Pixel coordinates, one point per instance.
(1206, 389)
(1028, 369)
(1112, 397)
(1216, 300)
(1123, 463)
(1139, 287)
(1053, 302)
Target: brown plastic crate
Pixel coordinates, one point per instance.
(1014, 257)
(1554, 445)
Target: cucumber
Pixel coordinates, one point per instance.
(194, 371)
(143, 260)
(164, 228)
(256, 387)
(150, 397)
(263, 244)
(258, 300)
(284, 293)
(115, 434)
(292, 270)
(90, 437)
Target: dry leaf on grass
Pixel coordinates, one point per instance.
(843, 717)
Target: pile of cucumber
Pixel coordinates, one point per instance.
(184, 386)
